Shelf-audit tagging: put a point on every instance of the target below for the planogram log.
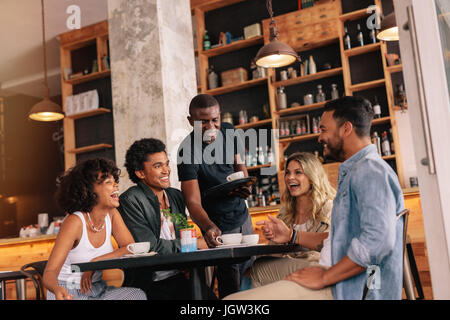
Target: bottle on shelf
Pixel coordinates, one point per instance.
(287, 129)
(315, 125)
(270, 156)
(360, 37)
(206, 41)
(373, 35)
(261, 199)
(261, 156)
(303, 125)
(400, 97)
(312, 65)
(213, 78)
(385, 144)
(298, 128)
(243, 118)
(376, 141)
(347, 40)
(320, 96)
(334, 92)
(282, 99)
(391, 138)
(376, 108)
(282, 130)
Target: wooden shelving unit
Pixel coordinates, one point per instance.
(344, 71)
(95, 36)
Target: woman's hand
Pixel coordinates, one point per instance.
(275, 229)
(62, 294)
(86, 282)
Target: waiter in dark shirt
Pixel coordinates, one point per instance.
(204, 161)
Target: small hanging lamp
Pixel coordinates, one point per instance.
(389, 29)
(45, 110)
(275, 54)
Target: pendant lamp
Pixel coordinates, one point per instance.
(389, 29)
(275, 54)
(45, 110)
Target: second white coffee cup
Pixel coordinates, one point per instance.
(139, 247)
(229, 238)
(250, 239)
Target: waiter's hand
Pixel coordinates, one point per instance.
(210, 236)
(242, 192)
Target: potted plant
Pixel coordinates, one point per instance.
(187, 232)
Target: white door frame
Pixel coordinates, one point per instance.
(429, 108)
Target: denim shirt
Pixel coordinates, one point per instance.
(364, 226)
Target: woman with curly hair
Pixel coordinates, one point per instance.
(89, 192)
(307, 203)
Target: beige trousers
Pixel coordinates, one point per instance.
(282, 290)
(271, 269)
(267, 275)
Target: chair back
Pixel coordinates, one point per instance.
(405, 214)
(36, 276)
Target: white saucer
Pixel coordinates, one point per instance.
(145, 254)
(232, 245)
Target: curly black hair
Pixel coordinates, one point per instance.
(75, 187)
(138, 153)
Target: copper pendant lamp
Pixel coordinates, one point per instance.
(45, 110)
(389, 29)
(275, 54)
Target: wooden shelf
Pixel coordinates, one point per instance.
(300, 109)
(381, 121)
(395, 68)
(237, 45)
(308, 78)
(236, 87)
(300, 138)
(256, 124)
(354, 15)
(266, 209)
(391, 157)
(362, 50)
(89, 77)
(90, 148)
(367, 85)
(89, 113)
(259, 167)
(209, 5)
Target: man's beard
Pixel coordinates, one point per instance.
(335, 151)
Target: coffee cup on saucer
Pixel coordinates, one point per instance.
(229, 238)
(235, 176)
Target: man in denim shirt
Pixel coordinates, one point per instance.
(365, 233)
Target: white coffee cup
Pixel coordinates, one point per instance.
(250, 239)
(139, 247)
(235, 176)
(230, 238)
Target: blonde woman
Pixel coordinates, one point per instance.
(306, 207)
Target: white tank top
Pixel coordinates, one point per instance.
(85, 252)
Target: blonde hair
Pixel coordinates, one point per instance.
(321, 190)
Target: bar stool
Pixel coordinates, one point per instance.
(35, 271)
